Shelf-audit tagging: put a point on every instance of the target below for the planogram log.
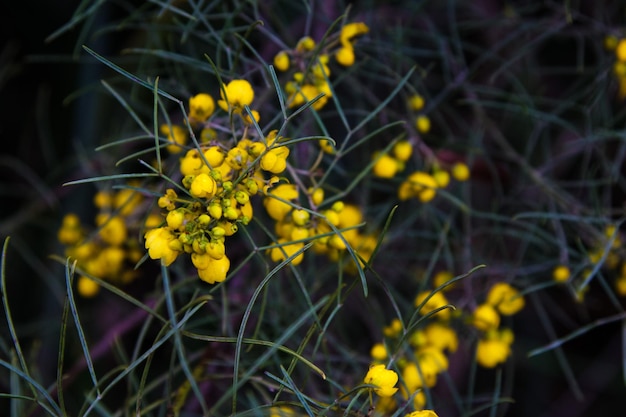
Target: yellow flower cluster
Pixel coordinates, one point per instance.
(422, 122)
(295, 226)
(426, 355)
(387, 166)
(429, 345)
(311, 74)
(109, 252)
(494, 346)
(219, 184)
(613, 259)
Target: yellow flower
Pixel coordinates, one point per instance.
(441, 336)
(416, 102)
(345, 56)
(435, 301)
(460, 171)
(281, 61)
(441, 278)
(86, 287)
(214, 270)
(422, 123)
(384, 380)
(203, 186)
(112, 229)
(276, 208)
(70, 232)
(352, 30)
(420, 185)
(620, 50)
(275, 160)
(394, 329)
(239, 93)
(441, 177)
(157, 241)
(283, 251)
(305, 44)
(176, 136)
(561, 273)
(379, 352)
(403, 150)
(494, 349)
(201, 107)
(486, 318)
(385, 166)
(505, 299)
(422, 413)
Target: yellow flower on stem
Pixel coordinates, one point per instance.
(383, 380)
(159, 242)
(435, 301)
(201, 107)
(506, 299)
(281, 61)
(486, 318)
(561, 273)
(385, 166)
(235, 95)
(214, 270)
(176, 136)
(494, 348)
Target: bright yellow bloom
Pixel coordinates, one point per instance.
(379, 352)
(422, 123)
(285, 251)
(352, 30)
(276, 208)
(402, 150)
(384, 380)
(275, 160)
(345, 56)
(157, 241)
(239, 93)
(460, 171)
(112, 229)
(201, 107)
(420, 185)
(416, 102)
(70, 232)
(203, 186)
(215, 269)
(86, 287)
(561, 273)
(505, 298)
(326, 146)
(385, 166)
(494, 349)
(486, 318)
(394, 329)
(281, 61)
(441, 336)
(305, 44)
(441, 177)
(176, 136)
(435, 301)
(620, 50)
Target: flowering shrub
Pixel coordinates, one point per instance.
(307, 211)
